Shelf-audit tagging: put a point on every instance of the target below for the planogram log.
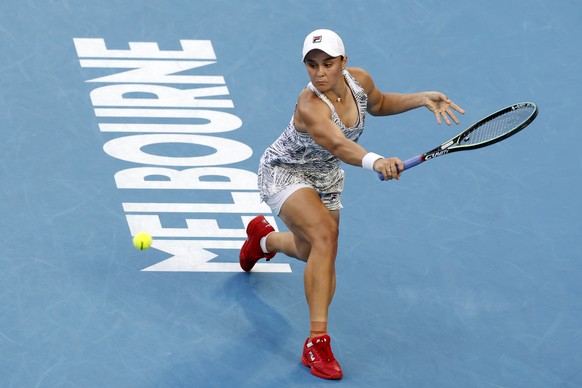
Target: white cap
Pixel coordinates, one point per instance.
(325, 40)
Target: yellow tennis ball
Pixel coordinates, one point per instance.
(142, 241)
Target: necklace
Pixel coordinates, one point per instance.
(339, 99)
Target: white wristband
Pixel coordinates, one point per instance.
(369, 159)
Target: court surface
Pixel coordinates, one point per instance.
(466, 273)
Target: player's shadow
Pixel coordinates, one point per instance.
(260, 340)
(266, 326)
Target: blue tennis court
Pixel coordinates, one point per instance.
(122, 116)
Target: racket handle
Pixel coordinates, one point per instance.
(414, 161)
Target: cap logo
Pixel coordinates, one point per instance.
(317, 39)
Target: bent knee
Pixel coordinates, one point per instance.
(325, 232)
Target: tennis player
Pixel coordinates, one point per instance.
(301, 179)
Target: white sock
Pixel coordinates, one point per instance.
(263, 243)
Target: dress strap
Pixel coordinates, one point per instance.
(322, 96)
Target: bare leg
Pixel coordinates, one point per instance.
(315, 238)
(287, 243)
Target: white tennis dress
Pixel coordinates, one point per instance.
(296, 159)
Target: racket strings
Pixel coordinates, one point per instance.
(498, 126)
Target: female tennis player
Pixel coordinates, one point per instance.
(301, 179)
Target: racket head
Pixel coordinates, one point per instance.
(496, 127)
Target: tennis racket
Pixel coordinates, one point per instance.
(489, 130)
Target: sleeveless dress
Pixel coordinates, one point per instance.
(295, 158)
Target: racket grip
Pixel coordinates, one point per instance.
(414, 161)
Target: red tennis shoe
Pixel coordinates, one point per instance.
(251, 251)
(318, 356)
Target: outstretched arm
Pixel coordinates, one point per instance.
(384, 104)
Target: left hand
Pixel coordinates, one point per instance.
(441, 106)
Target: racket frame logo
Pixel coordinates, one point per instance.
(519, 106)
(432, 155)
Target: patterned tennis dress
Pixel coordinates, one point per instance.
(295, 158)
